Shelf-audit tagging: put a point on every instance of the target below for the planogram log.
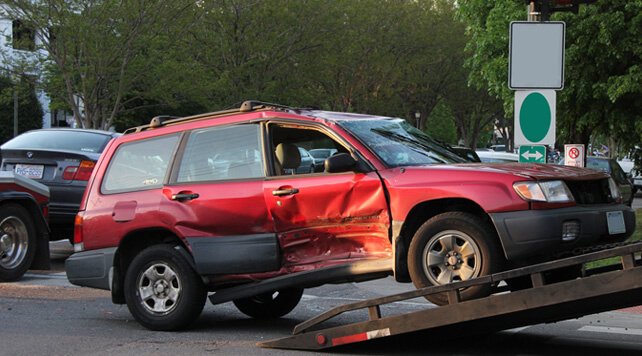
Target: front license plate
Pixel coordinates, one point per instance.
(33, 171)
(637, 181)
(615, 221)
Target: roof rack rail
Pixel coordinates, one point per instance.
(246, 106)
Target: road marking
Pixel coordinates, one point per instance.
(59, 275)
(611, 330)
(517, 330)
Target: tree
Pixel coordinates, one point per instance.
(603, 72)
(95, 51)
(603, 81)
(29, 109)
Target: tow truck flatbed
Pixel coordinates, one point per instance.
(545, 301)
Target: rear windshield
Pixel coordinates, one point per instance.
(59, 140)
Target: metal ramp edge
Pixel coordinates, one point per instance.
(540, 303)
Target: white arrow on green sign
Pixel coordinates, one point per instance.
(532, 154)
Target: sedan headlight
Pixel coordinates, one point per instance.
(553, 191)
(615, 190)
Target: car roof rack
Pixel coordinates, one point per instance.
(246, 106)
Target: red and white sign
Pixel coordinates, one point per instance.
(574, 155)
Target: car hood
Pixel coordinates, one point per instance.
(526, 170)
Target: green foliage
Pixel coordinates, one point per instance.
(603, 74)
(131, 60)
(441, 124)
(29, 109)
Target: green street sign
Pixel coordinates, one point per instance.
(535, 117)
(532, 154)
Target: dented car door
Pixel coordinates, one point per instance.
(329, 218)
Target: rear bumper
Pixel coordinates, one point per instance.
(534, 233)
(91, 268)
(64, 203)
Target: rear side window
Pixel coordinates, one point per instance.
(139, 165)
(59, 140)
(222, 153)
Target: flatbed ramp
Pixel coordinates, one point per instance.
(545, 301)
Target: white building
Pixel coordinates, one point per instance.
(25, 51)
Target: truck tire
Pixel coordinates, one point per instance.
(451, 247)
(270, 305)
(17, 241)
(162, 291)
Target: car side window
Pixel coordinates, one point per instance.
(300, 150)
(139, 165)
(222, 153)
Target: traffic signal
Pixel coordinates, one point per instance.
(547, 7)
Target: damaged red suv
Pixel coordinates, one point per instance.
(212, 204)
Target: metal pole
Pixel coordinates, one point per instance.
(15, 110)
(532, 13)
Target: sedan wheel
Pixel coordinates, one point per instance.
(17, 242)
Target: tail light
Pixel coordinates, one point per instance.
(81, 172)
(78, 235)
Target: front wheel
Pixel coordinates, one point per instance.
(17, 242)
(162, 290)
(451, 247)
(270, 305)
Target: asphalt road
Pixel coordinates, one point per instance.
(44, 314)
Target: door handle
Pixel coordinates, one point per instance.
(184, 196)
(282, 192)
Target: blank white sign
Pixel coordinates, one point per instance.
(536, 58)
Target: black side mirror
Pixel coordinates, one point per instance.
(340, 162)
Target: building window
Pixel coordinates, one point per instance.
(24, 38)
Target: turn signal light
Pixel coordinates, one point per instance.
(78, 237)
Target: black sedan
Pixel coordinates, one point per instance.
(610, 166)
(61, 159)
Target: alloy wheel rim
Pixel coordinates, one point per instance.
(451, 256)
(13, 242)
(159, 289)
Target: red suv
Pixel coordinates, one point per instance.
(213, 203)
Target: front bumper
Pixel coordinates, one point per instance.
(533, 233)
(91, 268)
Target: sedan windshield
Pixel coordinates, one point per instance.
(398, 143)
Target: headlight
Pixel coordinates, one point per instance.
(554, 191)
(615, 190)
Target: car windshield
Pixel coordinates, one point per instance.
(59, 140)
(598, 164)
(398, 143)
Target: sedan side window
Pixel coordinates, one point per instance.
(222, 154)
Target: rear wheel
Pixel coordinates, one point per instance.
(270, 305)
(17, 242)
(451, 247)
(162, 290)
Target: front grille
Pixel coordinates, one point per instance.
(590, 191)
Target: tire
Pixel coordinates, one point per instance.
(270, 305)
(17, 242)
(452, 247)
(178, 294)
